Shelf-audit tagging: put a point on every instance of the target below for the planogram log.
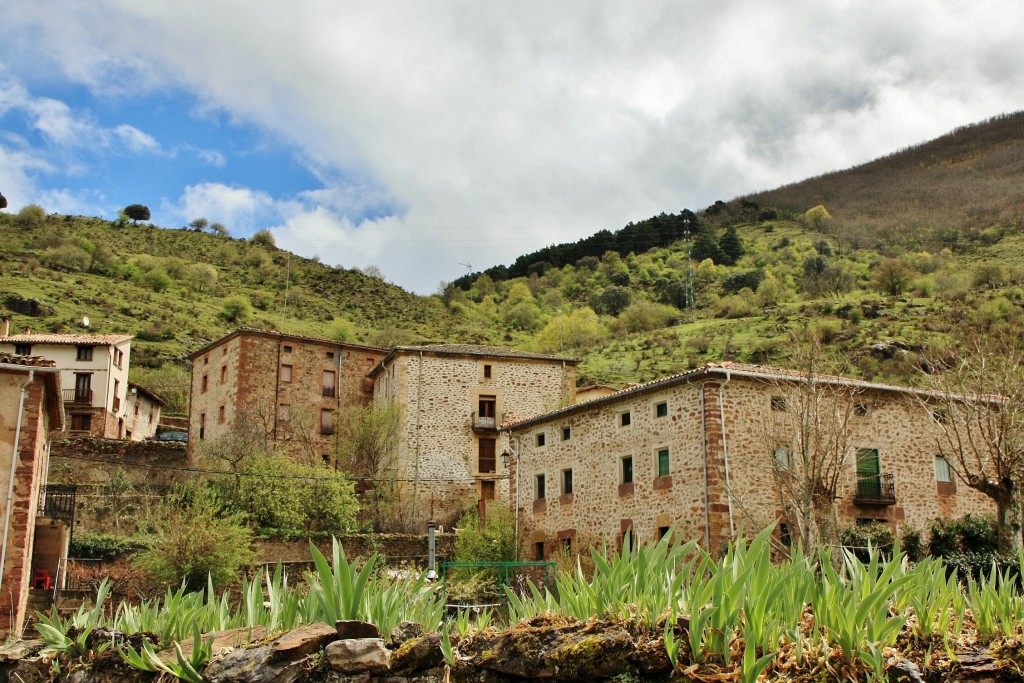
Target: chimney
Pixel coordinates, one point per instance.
(27, 330)
(5, 328)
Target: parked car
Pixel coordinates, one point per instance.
(170, 436)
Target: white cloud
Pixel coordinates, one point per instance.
(499, 128)
(240, 209)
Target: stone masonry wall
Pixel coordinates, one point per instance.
(601, 506)
(734, 424)
(439, 452)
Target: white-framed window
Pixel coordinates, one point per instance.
(943, 472)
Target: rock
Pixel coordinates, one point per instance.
(903, 671)
(223, 641)
(359, 655)
(556, 649)
(417, 654)
(302, 642)
(356, 629)
(31, 670)
(251, 666)
(31, 307)
(20, 649)
(406, 630)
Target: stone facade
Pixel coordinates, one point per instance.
(454, 397)
(29, 390)
(695, 453)
(142, 415)
(94, 376)
(289, 387)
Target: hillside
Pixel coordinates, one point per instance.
(879, 287)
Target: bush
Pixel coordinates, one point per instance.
(104, 546)
(264, 238)
(157, 280)
(136, 212)
(876, 535)
(195, 538)
(31, 216)
(494, 543)
(969, 545)
(236, 309)
(67, 258)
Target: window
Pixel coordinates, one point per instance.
(330, 355)
(943, 473)
(136, 410)
(941, 416)
(541, 439)
(487, 490)
(625, 418)
(117, 395)
(83, 387)
(118, 357)
(206, 382)
(663, 463)
(566, 433)
(778, 404)
(566, 482)
(538, 550)
(326, 422)
(486, 462)
(860, 410)
(663, 531)
(328, 382)
(661, 410)
(287, 348)
(486, 408)
(220, 414)
(83, 353)
(627, 470)
(782, 458)
(326, 459)
(283, 411)
(22, 349)
(784, 535)
(567, 545)
(627, 539)
(286, 373)
(81, 423)
(202, 426)
(487, 371)
(223, 374)
(538, 487)
(206, 360)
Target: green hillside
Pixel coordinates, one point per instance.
(878, 286)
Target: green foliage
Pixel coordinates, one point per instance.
(202, 276)
(157, 280)
(264, 238)
(576, 332)
(136, 212)
(68, 258)
(31, 216)
(860, 538)
(731, 246)
(279, 493)
(236, 309)
(495, 542)
(195, 538)
(612, 300)
(104, 546)
(643, 316)
(199, 224)
(817, 218)
(342, 330)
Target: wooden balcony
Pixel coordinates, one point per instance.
(484, 424)
(77, 396)
(875, 489)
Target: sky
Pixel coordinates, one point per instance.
(433, 138)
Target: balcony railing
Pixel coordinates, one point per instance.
(57, 501)
(329, 392)
(484, 424)
(77, 395)
(875, 489)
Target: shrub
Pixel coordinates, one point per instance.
(31, 216)
(104, 546)
(264, 238)
(236, 309)
(67, 258)
(136, 212)
(876, 535)
(157, 280)
(643, 316)
(969, 544)
(495, 542)
(195, 538)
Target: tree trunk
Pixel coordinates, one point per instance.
(1008, 523)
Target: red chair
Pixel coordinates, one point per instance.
(41, 579)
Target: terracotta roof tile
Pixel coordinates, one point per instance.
(27, 361)
(74, 339)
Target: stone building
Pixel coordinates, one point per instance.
(454, 397)
(30, 407)
(94, 374)
(142, 413)
(717, 451)
(288, 387)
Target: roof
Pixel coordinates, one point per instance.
(26, 361)
(475, 350)
(280, 335)
(724, 370)
(72, 339)
(143, 390)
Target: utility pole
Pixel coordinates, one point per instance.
(689, 266)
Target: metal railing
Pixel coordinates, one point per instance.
(57, 501)
(875, 489)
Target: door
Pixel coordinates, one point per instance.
(83, 387)
(869, 473)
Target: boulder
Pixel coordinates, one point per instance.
(302, 642)
(251, 666)
(355, 629)
(406, 630)
(20, 649)
(417, 654)
(359, 655)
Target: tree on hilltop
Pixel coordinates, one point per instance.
(199, 224)
(137, 212)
